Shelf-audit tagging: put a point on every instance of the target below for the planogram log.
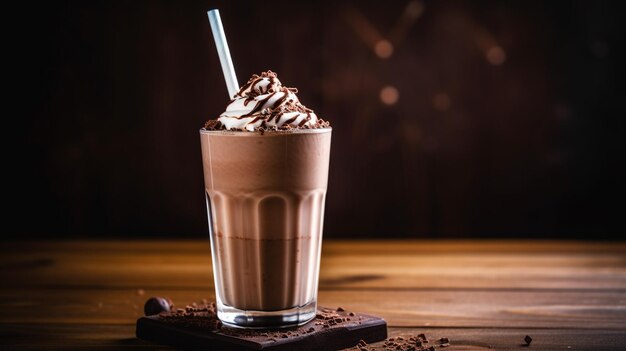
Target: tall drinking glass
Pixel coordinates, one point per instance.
(265, 195)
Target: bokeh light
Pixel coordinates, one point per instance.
(389, 95)
(495, 55)
(383, 49)
(414, 9)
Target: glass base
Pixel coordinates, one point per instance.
(250, 319)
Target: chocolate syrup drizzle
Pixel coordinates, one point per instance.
(272, 113)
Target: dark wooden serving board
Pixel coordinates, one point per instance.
(315, 335)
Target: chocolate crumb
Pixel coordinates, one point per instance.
(528, 340)
(351, 314)
(405, 343)
(340, 309)
(213, 125)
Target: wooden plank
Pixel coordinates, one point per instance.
(345, 265)
(40, 336)
(425, 308)
(513, 339)
(122, 337)
(331, 246)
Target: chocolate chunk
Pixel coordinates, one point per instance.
(444, 340)
(156, 305)
(340, 309)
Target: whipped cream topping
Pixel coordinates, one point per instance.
(265, 103)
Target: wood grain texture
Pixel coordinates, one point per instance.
(428, 308)
(345, 264)
(122, 337)
(81, 294)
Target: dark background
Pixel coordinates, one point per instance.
(487, 119)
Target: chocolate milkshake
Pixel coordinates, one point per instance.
(266, 171)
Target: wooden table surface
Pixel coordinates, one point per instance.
(480, 294)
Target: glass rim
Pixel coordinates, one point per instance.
(244, 133)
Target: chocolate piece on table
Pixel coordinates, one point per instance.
(181, 332)
(156, 305)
